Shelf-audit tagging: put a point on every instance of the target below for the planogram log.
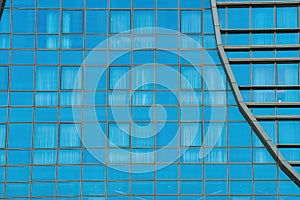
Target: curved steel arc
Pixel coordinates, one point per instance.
(263, 136)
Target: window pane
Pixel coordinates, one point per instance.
(3, 78)
(263, 74)
(191, 21)
(70, 78)
(242, 74)
(45, 136)
(287, 38)
(2, 136)
(70, 135)
(119, 78)
(143, 19)
(262, 18)
(118, 135)
(143, 78)
(72, 22)
(262, 38)
(242, 14)
(96, 22)
(19, 81)
(167, 3)
(288, 132)
(48, 21)
(23, 21)
(191, 134)
(167, 19)
(46, 78)
(119, 21)
(287, 17)
(19, 136)
(191, 78)
(287, 74)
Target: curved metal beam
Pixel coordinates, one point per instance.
(252, 121)
(2, 4)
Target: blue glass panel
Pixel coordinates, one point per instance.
(240, 155)
(93, 188)
(191, 4)
(191, 22)
(142, 135)
(242, 74)
(68, 188)
(119, 78)
(49, 4)
(43, 173)
(19, 157)
(167, 134)
(288, 132)
(43, 189)
(190, 187)
(118, 134)
(215, 171)
(167, 3)
(17, 190)
(46, 78)
(19, 136)
(117, 188)
(212, 187)
(287, 17)
(68, 173)
(143, 21)
(238, 13)
(143, 98)
(265, 187)
(5, 41)
(70, 135)
(142, 113)
(3, 78)
(287, 74)
(190, 171)
(143, 187)
(239, 134)
(167, 19)
(72, 21)
(5, 21)
(262, 17)
(73, 4)
(48, 21)
(265, 172)
(143, 78)
(287, 38)
(144, 4)
(69, 156)
(21, 114)
(93, 172)
(22, 57)
(47, 41)
(191, 134)
(45, 135)
(22, 41)
(2, 136)
(263, 74)
(96, 4)
(263, 39)
(240, 171)
(70, 78)
(240, 187)
(119, 21)
(222, 18)
(18, 174)
(19, 81)
(96, 22)
(191, 78)
(121, 173)
(23, 21)
(46, 99)
(167, 187)
(43, 157)
(120, 4)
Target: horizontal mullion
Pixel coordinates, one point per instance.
(261, 47)
(263, 60)
(270, 87)
(262, 30)
(257, 3)
(273, 104)
(277, 117)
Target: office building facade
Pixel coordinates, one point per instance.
(149, 99)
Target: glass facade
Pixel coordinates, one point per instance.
(129, 99)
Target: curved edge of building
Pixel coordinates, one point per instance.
(252, 121)
(2, 5)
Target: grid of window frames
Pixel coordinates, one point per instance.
(41, 154)
(263, 49)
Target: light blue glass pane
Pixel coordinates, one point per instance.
(264, 187)
(261, 155)
(143, 78)
(3, 114)
(263, 74)
(119, 21)
(289, 187)
(143, 57)
(120, 4)
(43, 173)
(93, 172)
(287, 38)
(117, 188)
(5, 56)
(3, 78)
(287, 54)
(167, 3)
(262, 17)
(49, 4)
(143, 21)
(263, 39)
(118, 134)
(70, 78)
(69, 156)
(5, 41)
(96, 22)
(142, 188)
(2, 136)
(43, 189)
(21, 114)
(191, 114)
(48, 21)
(191, 78)
(72, 21)
(265, 172)
(144, 4)
(121, 173)
(19, 136)
(47, 57)
(288, 132)
(238, 13)
(96, 4)
(45, 136)
(43, 157)
(142, 113)
(46, 114)
(234, 113)
(143, 98)
(142, 135)
(47, 41)
(18, 174)
(46, 99)
(68, 173)
(22, 57)
(212, 187)
(191, 21)
(190, 187)
(215, 155)
(192, 98)
(209, 41)
(46, 78)
(119, 78)
(239, 134)
(215, 171)
(71, 57)
(23, 21)
(72, 41)
(19, 157)
(191, 4)
(239, 172)
(288, 111)
(19, 81)
(95, 78)
(241, 187)
(17, 190)
(240, 155)
(167, 134)
(73, 4)
(22, 4)
(167, 19)
(70, 135)
(5, 21)
(222, 18)
(165, 98)
(287, 74)
(242, 74)
(68, 188)
(93, 188)
(287, 17)
(22, 41)
(263, 54)
(263, 96)
(191, 134)
(192, 41)
(166, 187)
